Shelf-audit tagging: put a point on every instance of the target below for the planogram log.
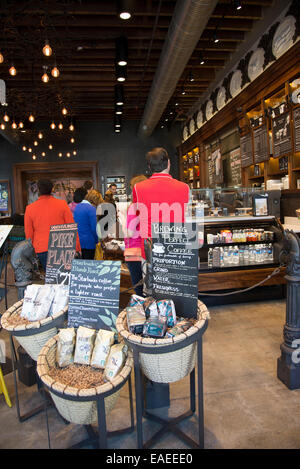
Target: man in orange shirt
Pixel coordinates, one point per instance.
(43, 213)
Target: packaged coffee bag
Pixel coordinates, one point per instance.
(136, 300)
(150, 307)
(65, 347)
(135, 318)
(43, 302)
(166, 309)
(28, 302)
(115, 361)
(103, 342)
(84, 345)
(155, 327)
(60, 300)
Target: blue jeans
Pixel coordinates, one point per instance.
(43, 259)
(135, 269)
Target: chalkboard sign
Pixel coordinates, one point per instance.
(246, 150)
(235, 166)
(175, 265)
(5, 197)
(296, 119)
(61, 252)
(94, 294)
(281, 129)
(260, 143)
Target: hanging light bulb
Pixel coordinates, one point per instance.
(45, 78)
(60, 126)
(72, 140)
(1, 58)
(43, 154)
(68, 155)
(118, 110)
(121, 73)
(6, 117)
(119, 94)
(40, 135)
(74, 152)
(12, 71)
(30, 150)
(2, 126)
(71, 127)
(35, 143)
(24, 148)
(121, 51)
(33, 157)
(14, 125)
(47, 51)
(125, 9)
(52, 125)
(55, 72)
(31, 118)
(60, 154)
(50, 146)
(64, 111)
(21, 125)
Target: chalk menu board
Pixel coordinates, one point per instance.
(235, 166)
(61, 252)
(260, 143)
(94, 294)
(296, 119)
(281, 130)
(211, 167)
(4, 196)
(175, 265)
(246, 150)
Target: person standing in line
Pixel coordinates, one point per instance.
(88, 186)
(133, 241)
(85, 217)
(41, 214)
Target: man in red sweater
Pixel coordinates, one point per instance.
(43, 213)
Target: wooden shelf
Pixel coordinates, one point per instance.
(296, 169)
(256, 177)
(279, 173)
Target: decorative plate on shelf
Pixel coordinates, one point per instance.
(185, 133)
(283, 37)
(192, 126)
(296, 93)
(256, 63)
(199, 119)
(209, 109)
(221, 98)
(236, 83)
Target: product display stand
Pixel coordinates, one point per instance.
(98, 439)
(170, 425)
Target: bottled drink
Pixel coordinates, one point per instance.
(251, 255)
(246, 254)
(221, 257)
(225, 255)
(241, 254)
(230, 255)
(236, 255)
(210, 257)
(270, 252)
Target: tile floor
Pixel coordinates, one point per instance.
(245, 405)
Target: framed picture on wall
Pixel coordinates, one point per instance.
(5, 197)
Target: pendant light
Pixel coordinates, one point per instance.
(117, 121)
(2, 126)
(6, 118)
(72, 140)
(1, 58)
(215, 37)
(125, 9)
(31, 118)
(24, 148)
(121, 73)
(74, 152)
(45, 77)
(12, 71)
(50, 147)
(30, 150)
(118, 110)
(201, 59)
(68, 155)
(64, 111)
(71, 127)
(55, 72)
(52, 125)
(14, 125)
(191, 76)
(21, 125)
(33, 157)
(35, 143)
(119, 94)
(60, 155)
(237, 4)
(60, 126)
(43, 154)
(47, 51)
(121, 51)
(40, 135)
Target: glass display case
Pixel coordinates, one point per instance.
(231, 237)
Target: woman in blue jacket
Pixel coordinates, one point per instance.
(85, 217)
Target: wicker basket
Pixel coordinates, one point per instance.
(165, 367)
(32, 337)
(79, 406)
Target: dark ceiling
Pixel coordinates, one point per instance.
(82, 36)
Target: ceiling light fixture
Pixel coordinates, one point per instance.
(72, 140)
(118, 110)
(6, 118)
(43, 154)
(2, 126)
(68, 155)
(50, 147)
(24, 148)
(191, 76)
(21, 125)
(74, 152)
(201, 59)
(121, 73)
(125, 9)
(183, 91)
(40, 135)
(119, 94)
(12, 71)
(215, 37)
(47, 51)
(55, 72)
(52, 125)
(31, 118)
(71, 127)
(35, 143)
(118, 121)
(14, 125)
(45, 77)
(33, 157)
(30, 150)
(1, 58)
(60, 126)
(64, 111)
(237, 4)
(121, 51)
(60, 154)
